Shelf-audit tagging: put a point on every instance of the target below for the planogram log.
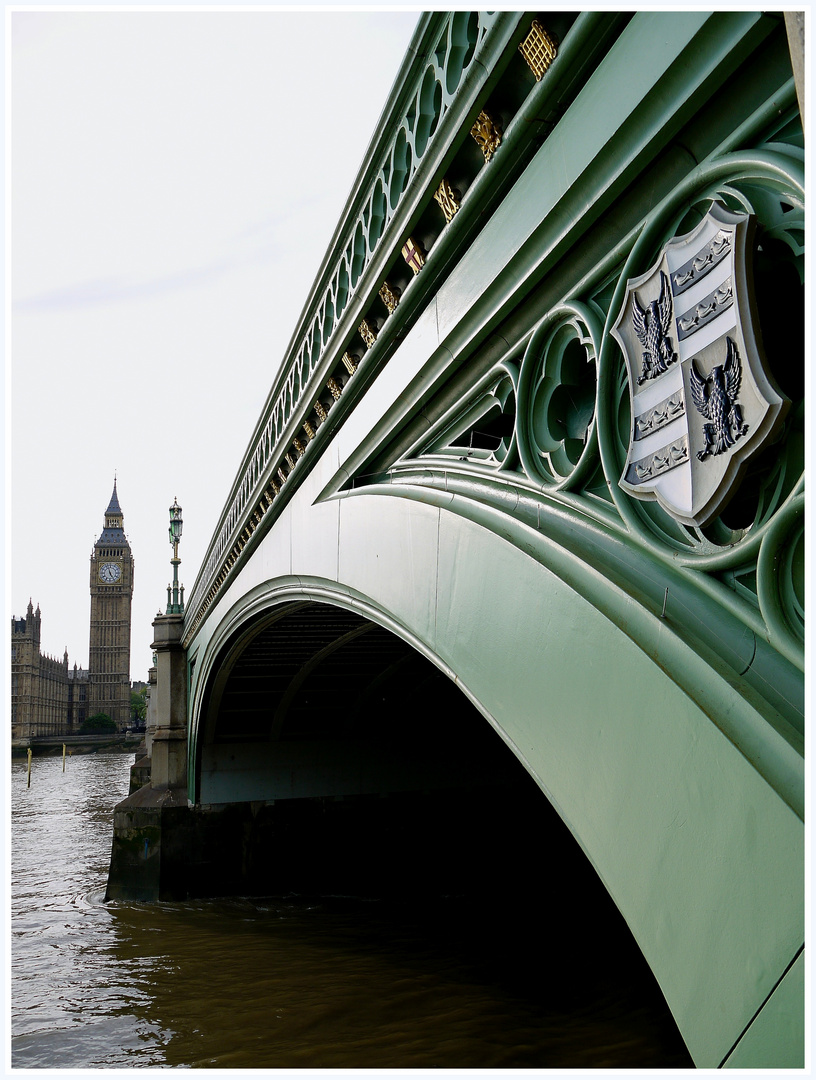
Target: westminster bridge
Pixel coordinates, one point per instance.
(482, 525)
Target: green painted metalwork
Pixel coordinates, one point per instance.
(328, 327)
(463, 488)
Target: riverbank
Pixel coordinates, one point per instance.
(51, 745)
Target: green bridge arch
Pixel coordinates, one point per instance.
(701, 852)
(444, 456)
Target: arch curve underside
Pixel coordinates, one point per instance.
(699, 851)
(344, 761)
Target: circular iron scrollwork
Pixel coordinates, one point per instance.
(555, 418)
(781, 575)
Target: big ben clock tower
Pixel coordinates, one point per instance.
(111, 597)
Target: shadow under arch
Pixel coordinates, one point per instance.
(304, 623)
(365, 769)
(315, 723)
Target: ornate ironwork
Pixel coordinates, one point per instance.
(487, 134)
(715, 398)
(367, 332)
(334, 389)
(652, 325)
(665, 412)
(390, 297)
(413, 254)
(388, 178)
(706, 310)
(448, 200)
(539, 49)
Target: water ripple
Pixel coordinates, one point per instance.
(291, 982)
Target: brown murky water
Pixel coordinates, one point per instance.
(488, 981)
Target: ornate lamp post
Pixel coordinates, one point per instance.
(175, 594)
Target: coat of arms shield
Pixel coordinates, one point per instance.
(703, 401)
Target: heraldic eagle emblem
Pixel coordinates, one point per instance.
(702, 399)
(652, 325)
(719, 404)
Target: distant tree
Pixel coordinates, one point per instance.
(98, 724)
(138, 705)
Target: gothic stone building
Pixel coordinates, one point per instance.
(42, 687)
(48, 698)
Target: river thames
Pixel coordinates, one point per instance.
(499, 980)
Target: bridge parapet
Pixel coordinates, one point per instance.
(469, 100)
(553, 390)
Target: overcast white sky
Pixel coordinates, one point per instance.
(176, 177)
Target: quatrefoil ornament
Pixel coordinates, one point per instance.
(555, 423)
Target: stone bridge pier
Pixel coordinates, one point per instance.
(147, 859)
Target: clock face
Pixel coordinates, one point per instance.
(110, 572)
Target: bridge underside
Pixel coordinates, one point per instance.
(322, 702)
(315, 695)
(352, 763)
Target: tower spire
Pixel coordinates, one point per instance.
(113, 506)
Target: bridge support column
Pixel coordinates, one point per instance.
(150, 827)
(169, 738)
(150, 719)
(140, 770)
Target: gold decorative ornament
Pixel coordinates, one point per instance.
(368, 333)
(413, 255)
(448, 200)
(282, 476)
(301, 449)
(539, 49)
(307, 427)
(321, 412)
(390, 297)
(334, 389)
(487, 134)
(275, 487)
(350, 362)
(289, 461)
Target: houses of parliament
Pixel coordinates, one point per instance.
(47, 696)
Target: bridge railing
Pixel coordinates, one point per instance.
(434, 136)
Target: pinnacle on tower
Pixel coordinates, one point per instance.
(114, 507)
